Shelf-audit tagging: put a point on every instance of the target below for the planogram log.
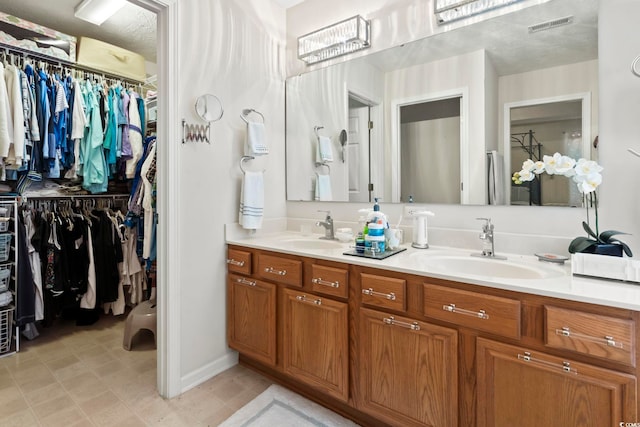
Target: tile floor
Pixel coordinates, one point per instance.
(81, 376)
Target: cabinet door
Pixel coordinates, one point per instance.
(408, 370)
(316, 342)
(251, 318)
(521, 388)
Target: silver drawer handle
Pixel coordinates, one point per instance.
(566, 366)
(246, 282)
(607, 340)
(481, 314)
(392, 321)
(274, 271)
(390, 296)
(319, 281)
(235, 262)
(303, 298)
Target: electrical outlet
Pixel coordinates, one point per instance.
(411, 208)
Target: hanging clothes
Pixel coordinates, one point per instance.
(94, 165)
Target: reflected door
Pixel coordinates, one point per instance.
(358, 152)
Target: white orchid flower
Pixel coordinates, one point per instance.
(526, 175)
(538, 167)
(588, 183)
(587, 167)
(551, 163)
(566, 166)
(528, 165)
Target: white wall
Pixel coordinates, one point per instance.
(233, 49)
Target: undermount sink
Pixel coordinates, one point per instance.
(488, 267)
(311, 243)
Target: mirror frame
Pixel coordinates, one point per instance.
(585, 97)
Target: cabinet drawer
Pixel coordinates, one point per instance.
(384, 292)
(282, 270)
(239, 261)
(599, 336)
(488, 313)
(329, 280)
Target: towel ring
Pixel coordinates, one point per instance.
(244, 159)
(634, 70)
(324, 164)
(316, 129)
(247, 111)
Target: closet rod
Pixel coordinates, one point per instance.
(57, 62)
(78, 197)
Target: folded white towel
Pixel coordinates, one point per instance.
(252, 200)
(6, 298)
(255, 141)
(323, 188)
(325, 152)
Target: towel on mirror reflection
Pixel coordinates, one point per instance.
(325, 152)
(323, 188)
(252, 200)
(255, 141)
(496, 178)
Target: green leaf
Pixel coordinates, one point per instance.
(625, 247)
(589, 230)
(605, 236)
(579, 244)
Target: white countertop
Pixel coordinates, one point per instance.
(557, 280)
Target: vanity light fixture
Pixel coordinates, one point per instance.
(344, 37)
(98, 11)
(447, 11)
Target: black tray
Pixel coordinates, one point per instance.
(376, 255)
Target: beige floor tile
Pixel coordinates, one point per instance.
(175, 419)
(226, 390)
(71, 371)
(62, 362)
(53, 406)
(64, 418)
(37, 382)
(12, 405)
(151, 409)
(113, 415)
(84, 386)
(43, 394)
(6, 380)
(99, 403)
(219, 416)
(25, 418)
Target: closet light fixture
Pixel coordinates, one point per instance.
(344, 37)
(98, 11)
(447, 11)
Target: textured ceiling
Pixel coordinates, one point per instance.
(132, 28)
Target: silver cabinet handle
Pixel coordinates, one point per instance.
(481, 314)
(390, 296)
(244, 281)
(303, 298)
(606, 340)
(392, 321)
(566, 366)
(274, 271)
(235, 262)
(319, 281)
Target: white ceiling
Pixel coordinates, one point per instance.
(132, 28)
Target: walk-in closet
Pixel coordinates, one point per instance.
(78, 111)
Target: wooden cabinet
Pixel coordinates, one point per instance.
(518, 387)
(408, 370)
(251, 317)
(317, 345)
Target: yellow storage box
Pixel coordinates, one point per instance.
(110, 59)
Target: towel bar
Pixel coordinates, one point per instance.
(244, 159)
(245, 114)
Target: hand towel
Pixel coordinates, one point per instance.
(496, 178)
(323, 188)
(325, 152)
(255, 141)
(251, 200)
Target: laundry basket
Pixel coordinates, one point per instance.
(4, 219)
(5, 246)
(6, 327)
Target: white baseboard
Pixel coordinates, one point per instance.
(208, 371)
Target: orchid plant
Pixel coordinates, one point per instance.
(586, 174)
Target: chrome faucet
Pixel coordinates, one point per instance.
(488, 248)
(328, 226)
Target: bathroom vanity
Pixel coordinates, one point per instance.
(407, 342)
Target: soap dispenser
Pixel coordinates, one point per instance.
(420, 233)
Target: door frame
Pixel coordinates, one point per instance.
(463, 94)
(168, 160)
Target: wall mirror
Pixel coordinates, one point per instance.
(493, 63)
